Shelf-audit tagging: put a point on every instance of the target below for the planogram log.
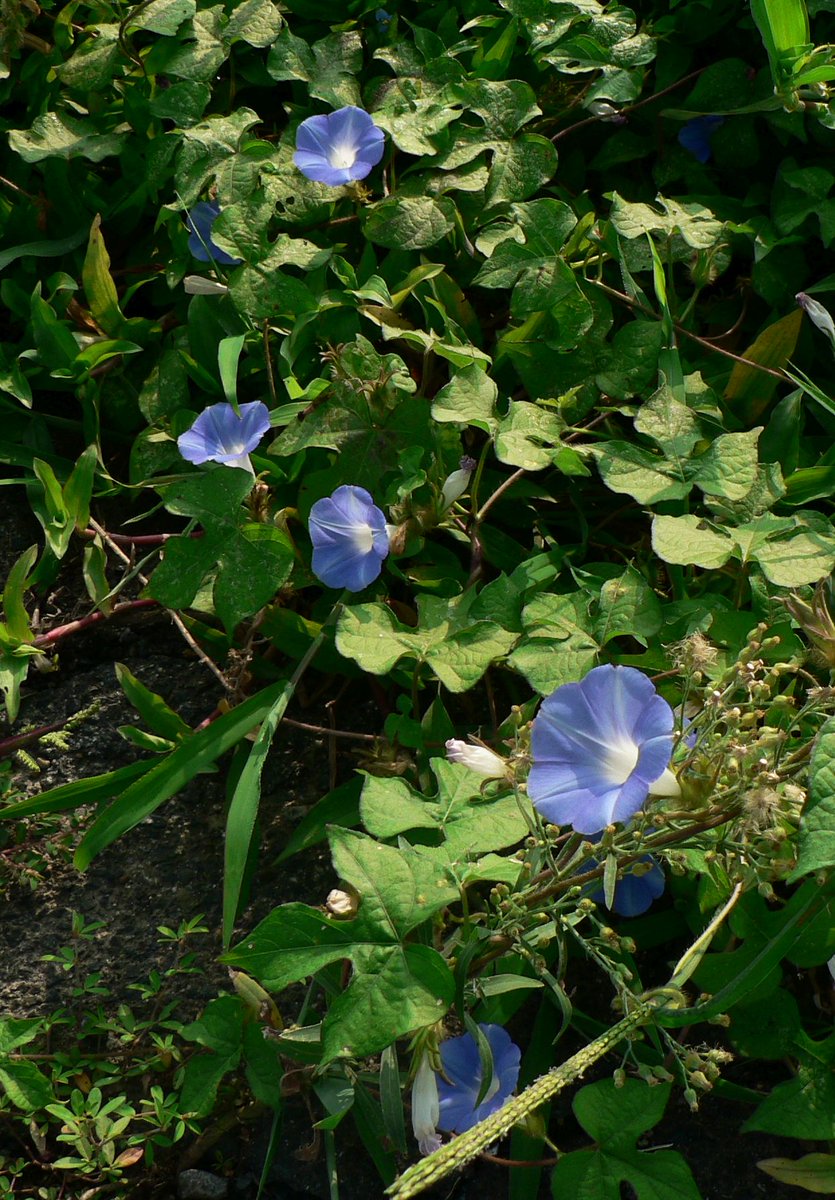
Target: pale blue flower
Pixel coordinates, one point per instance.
(462, 1066)
(349, 537)
(695, 135)
(200, 220)
(599, 748)
(339, 147)
(220, 435)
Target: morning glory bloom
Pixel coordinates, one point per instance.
(220, 435)
(634, 894)
(200, 220)
(462, 1066)
(599, 748)
(350, 539)
(338, 148)
(695, 135)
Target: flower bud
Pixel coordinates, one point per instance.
(477, 758)
(457, 483)
(425, 1107)
(196, 285)
(342, 904)
(818, 315)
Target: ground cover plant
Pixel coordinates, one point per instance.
(473, 357)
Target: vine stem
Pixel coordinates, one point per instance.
(475, 1141)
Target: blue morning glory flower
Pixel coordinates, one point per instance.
(634, 894)
(200, 220)
(220, 435)
(339, 147)
(350, 539)
(599, 748)
(695, 135)
(462, 1066)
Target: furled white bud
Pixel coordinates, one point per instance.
(457, 483)
(477, 758)
(196, 285)
(818, 315)
(831, 965)
(425, 1107)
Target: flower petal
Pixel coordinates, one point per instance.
(220, 435)
(597, 747)
(349, 537)
(338, 148)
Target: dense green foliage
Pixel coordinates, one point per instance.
(539, 275)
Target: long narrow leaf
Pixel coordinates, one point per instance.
(173, 773)
(92, 790)
(243, 811)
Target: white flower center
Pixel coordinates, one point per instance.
(342, 156)
(362, 537)
(621, 761)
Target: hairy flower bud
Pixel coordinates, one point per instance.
(477, 758)
(456, 484)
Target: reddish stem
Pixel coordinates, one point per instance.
(10, 745)
(140, 539)
(62, 631)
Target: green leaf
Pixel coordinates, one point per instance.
(469, 398)
(93, 790)
(329, 66)
(523, 253)
(96, 62)
(689, 540)
(256, 22)
(152, 708)
(391, 1100)
(251, 561)
(615, 1118)
(648, 478)
(813, 1172)
(671, 424)
(558, 645)
(99, 287)
(529, 436)
(803, 1107)
(817, 824)
(55, 135)
(729, 466)
(14, 610)
(627, 607)
(696, 224)
(394, 987)
(162, 16)
(243, 813)
(456, 647)
(409, 222)
(469, 823)
(24, 1084)
(47, 249)
(749, 390)
(165, 778)
(16, 1032)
